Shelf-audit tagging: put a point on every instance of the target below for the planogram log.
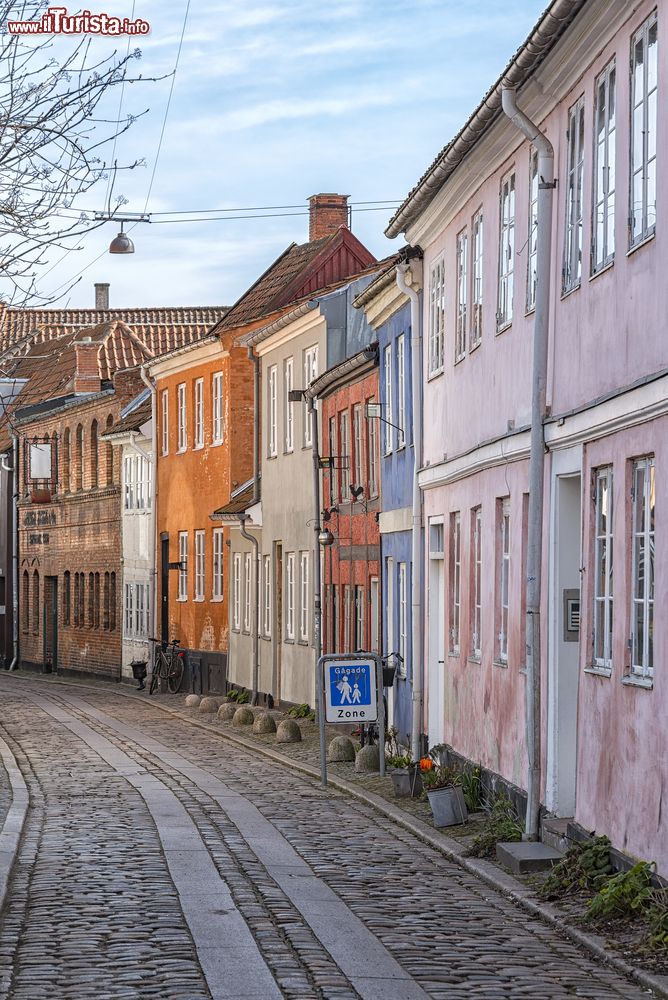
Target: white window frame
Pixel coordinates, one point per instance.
(603, 188)
(504, 312)
(504, 578)
(199, 565)
(217, 412)
(642, 595)
(304, 596)
(603, 569)
(372, 453)
(344, 448)
(572, 267)
(236, 591)
(642, 220)
(477, 290)
(389, 402)
(374, 612)
(347, 609)
(289, 415)
(182, 417)
(183, 568)
(199, 413)
(402, 601)
(358, 446)
(455, 581)
(476, 583)
(332, 433)
(532, 236)
(129, 482)
(290, 596)
(217, 566)
(462, 249)
(272, 411)
(248, 584)
(389, 609)
(128, 618)
(436, 317)
(266, 564)
(310, 374)
(401, 391)
(360, 617)
(164, 396)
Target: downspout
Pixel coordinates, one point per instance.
(416, 531)
(150, 383)
(317, 586)
(546, 184)
(15, 558)
(256, 610)
(256, 499)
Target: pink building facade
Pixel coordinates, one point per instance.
(594, 90)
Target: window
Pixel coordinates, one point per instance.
(290, 596)
(372, 451)
(109, 454)
(91, 600)
(462, 294)
(344, 445)
(65, 462)
(642, 214)
(217, 425)
(199, 413)
(532, 241)
(266, 624)
(137, 482)
(504, 313)
(182, 417)
(112, 602)
(248, 580)
(129, 481)
(199, 565)
(165, 421)
(333, 456)
(236, 591)
(347, 608)
(375, 613)
(272, 376)
(25, 610)
(128, 610)
(333, 621)
(310, 373)
(78, 458)
(603, 227)
(476, 587)
(401, 390)
(573, 242)
(503, 578)
(389, 405)
(304, 601)
(455, 579)
(183, 568)
(403, 617)
(603, 562)
(105, 602)
(218, 542)
(358, 446)
(436, 317)
(96, 602)
(136, 611)
(93, 456)
(476, 283)
(389, 611)
(360, 622)
(289, 407)
(67, 597)
(642, 574)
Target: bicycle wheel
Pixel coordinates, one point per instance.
(175, 675)
(155, 675)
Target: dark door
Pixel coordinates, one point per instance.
(50, 624)
(164, 589)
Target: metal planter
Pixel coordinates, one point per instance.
(448, 806)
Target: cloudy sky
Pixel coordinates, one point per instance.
(273, 102)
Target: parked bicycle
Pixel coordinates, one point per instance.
(168, 665)
(392, 662)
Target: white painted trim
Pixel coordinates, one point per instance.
(391, 521)
(507, 449)
(385, 304)
(183, 362)
(303, 324)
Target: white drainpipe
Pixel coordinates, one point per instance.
(416, 539)
(546, 184)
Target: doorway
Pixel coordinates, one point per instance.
(436, 637)
(50, 651)
(164, 589)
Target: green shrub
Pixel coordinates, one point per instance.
(623, 894)
(502, 824)
(302, 711)
(472, 787)
(583, 867)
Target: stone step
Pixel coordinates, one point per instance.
(554, 833)
(527, 856)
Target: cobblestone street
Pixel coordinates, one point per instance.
(160, 861)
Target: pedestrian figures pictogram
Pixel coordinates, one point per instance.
(350, 691)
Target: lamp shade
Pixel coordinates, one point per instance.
(121, 244)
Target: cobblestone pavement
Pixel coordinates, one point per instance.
(161, 861)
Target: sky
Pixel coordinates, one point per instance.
(271, 103)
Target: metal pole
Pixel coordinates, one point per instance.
(317, 594)
(380, 695)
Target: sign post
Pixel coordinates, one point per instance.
(350, 690)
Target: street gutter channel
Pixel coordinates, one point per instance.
(486, 871)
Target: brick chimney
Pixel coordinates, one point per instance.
(87, 376)
(327, 213)
(101, 295)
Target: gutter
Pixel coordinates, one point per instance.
(264, 332)
(321, 385)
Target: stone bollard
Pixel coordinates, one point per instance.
(340, 749)
(243, 717)
(192, 700)
(264, 723)
(209, 706)
(226, 711)
(288, 732)
(367, 759)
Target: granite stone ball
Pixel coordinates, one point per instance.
(264, 723)
(367, 759)
(243, 717)
(288, 732)
(340, 749)
(226, 711)
(192, 700)
(209, 706)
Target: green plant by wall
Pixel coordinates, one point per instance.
(623, 894)
(472, 787)
(243, 697)
(583, 867)
(657, 914)
(233, 694)
(502, 824)
(302, 711)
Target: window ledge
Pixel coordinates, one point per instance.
(198, 447)
(602, 269)
(502, 329)
(454, 654)
(216, 600)
(633, 680)
(302, 642)
(435, 374)
(565, 292)
(291, 642)
(235, 628)
(272, 458)
(598, 671)
(474, 659)
(474, 347)
(181, 600)
(181, 451)
(529, 312)
(642, 243)
(216, 443)
(500, 663)
(459, 359)
(198, 600)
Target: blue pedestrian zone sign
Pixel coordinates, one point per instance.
(350, 691)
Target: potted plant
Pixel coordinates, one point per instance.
(442, 786)
(405, 775)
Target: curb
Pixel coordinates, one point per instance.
(12, 828)
(484, 870)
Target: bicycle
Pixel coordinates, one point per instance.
(390, 663)
(168, 666)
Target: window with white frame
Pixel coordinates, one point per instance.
(164, 397)
(401, 390)
(503, 570)
(436, 317)
(344, 449)
(272, 413)
(248, 579)
(129, 481)
(288, 415)
(642, 572)
(358, 446)
(504, 312)
(603, 208)
(304, 596)
(372, 452)
(290, 596)
(183, 566)
(217, 415)
(217, 567)
(532, 239)
(333, 620)
(136, 608)
(129, 617)
(236, 591)
(603, 563)
(388, 409)
(374, 612)
(333, 457)
(476, 588)
(310, 373)
(199, 413)
(266, 606)
(199, 565)
(390, 584)
(359, 598)
(455, 580)
(182, 422)
(462, 294)
(477, 235)
(347, 615)
(642, 214)
(403, 616)
(572, 272)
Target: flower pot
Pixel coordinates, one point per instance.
(407, 782)
(448, 806)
